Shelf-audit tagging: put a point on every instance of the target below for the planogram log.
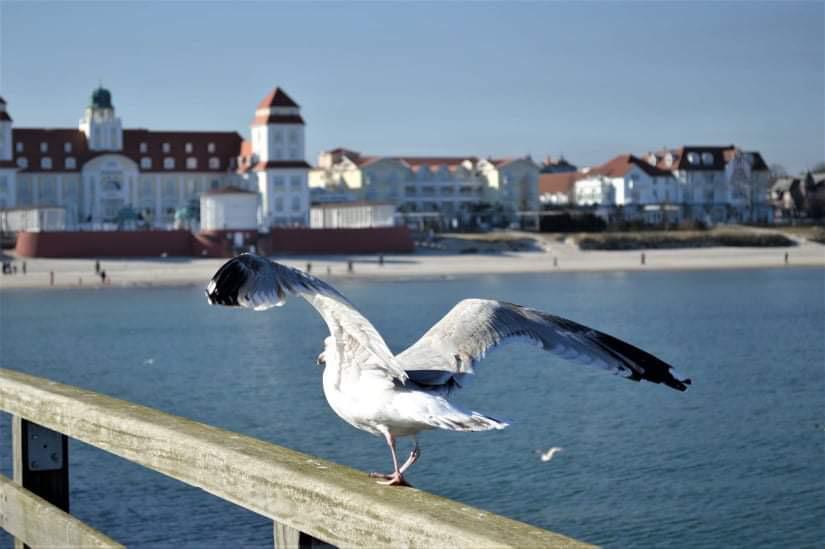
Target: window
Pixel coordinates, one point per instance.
(214, 184)
(169, 163)
(293, 154)
(70, 163)
(693, 158)
(295, 183)
(210, 147)
(279, 204)
(293, 136)
(144, 147)
(23, 162)
(707, 158)
(296, 203)
(19, 146)
(277, 136)
(214, 163)
(191, 162)
(46, 163)
(166, 147)
(278, 183)
(188, 147)
(44, 147)
(276, 154)
(146, 163)
(67, 147)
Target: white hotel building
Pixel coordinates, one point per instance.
(444, 186)
(706, 183)
(99, 169)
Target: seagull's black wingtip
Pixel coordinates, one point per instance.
(224, 287)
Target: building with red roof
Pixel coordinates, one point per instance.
(449, 187)
(100, 168)
(706, 183)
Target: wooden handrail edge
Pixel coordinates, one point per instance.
(328, 501)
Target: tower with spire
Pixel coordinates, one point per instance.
(279, 165)
(103, 129)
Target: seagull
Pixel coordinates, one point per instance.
(548, 455)
(394, 396)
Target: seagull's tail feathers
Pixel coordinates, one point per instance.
(460, 421)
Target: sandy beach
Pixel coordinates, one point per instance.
(556, 257)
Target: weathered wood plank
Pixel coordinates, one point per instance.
(290, 538)
(330, 502)
(49, 478)
(40, 463)
(37, 523)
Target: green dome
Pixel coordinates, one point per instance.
(101, 99)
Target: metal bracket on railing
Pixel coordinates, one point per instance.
(45, 449)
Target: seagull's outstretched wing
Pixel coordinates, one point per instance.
(257, 283)
(475, 326)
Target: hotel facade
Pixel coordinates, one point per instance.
(100, 171)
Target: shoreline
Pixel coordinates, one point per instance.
(556, 258)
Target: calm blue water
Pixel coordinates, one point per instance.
(738, 460)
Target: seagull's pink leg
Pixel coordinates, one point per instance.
(414, 455)
(397, 477)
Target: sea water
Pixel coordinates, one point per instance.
(737, 460)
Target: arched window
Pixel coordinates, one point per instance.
(111, 186)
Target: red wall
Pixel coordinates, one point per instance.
(340, 241)
(104, 243)
(212, 244)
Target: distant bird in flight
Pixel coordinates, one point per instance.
(401, 395)
(548, 455)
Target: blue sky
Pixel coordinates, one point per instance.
(590, 80)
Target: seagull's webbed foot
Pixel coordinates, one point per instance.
(385, 476)
(395, 479)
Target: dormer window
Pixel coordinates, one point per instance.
(23, 162)
(707, 158)
(651, 159)
(166, 147)
(19, 146)
(188, 148)
(70, 163)
(210, 147)
(191, 162)
(169, 162)
(67, 147)
(669, 159)
(693, 158)
(46, 163)
(214, 163)
(146, 163)
(144, 147)
(44, 147)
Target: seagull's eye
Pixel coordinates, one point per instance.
(320, 361)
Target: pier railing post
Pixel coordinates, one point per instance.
(290, 538)
(40, 463)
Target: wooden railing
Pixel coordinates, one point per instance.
(307, 498)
